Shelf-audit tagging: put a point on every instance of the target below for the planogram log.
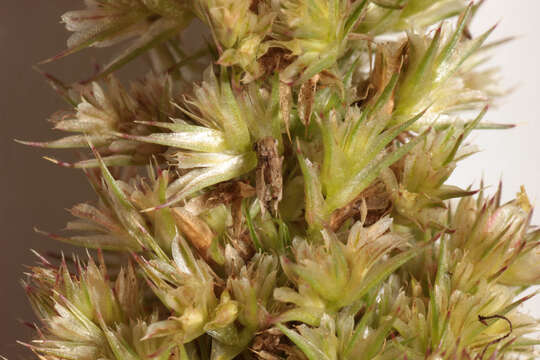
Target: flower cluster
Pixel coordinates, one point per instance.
(295, 203)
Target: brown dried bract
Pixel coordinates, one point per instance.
(266, 340)
(372, 204)
(269, 178)
(232, 193)
(195, 230)
(254, 6)
(276, 59)
(285, 104)
(271, 344)
(228, 193)
(388, 62)
(306, 97)
(242, 243)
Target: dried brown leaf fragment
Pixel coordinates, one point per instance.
(269, 177)
(371, 205)
(197, 232)
(271, 344)
(306, 98)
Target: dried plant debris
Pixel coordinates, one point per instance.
(269, 177)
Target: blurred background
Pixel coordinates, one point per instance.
(34, 192)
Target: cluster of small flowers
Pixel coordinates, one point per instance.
(295, 204)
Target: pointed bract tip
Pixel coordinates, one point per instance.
(150, 209)
(30, 143)
(150, 123)
(37, 69)
(30, 346)
(58, 56)
(59, 162)
(45, 74)
(43, 260)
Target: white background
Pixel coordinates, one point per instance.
(511, 155)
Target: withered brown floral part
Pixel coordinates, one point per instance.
(271, 344)
(371, 205)
(275, 59)
(227, 193)
(285, 104)
(254, 6)
(231, 193)
(389, 60)
(306, 97)
(269, 176)
(197, 232)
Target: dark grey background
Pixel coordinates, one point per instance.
(34, 192)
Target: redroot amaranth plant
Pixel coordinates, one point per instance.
(294, 204)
